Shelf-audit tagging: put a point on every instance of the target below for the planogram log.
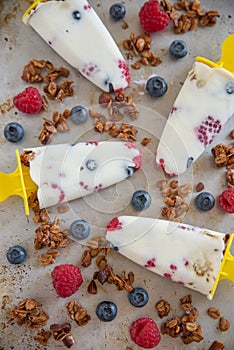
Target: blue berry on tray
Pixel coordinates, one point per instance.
(117, 11)
(80, 229)
(138, 297)
(16, 255)
(106, 311)
(141, 200)
(156, 86)
(79, 114)
(178, 48)
(205, 201)
(14, 132)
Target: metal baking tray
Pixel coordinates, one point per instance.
(19, 44)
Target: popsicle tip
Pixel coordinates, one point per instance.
(32, 7)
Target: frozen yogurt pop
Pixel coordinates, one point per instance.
(64, 172)
(204, 104)
(194, 257)
(74, 30)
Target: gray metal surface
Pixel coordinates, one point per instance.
(19, 44)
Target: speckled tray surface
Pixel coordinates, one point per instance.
(19, 44)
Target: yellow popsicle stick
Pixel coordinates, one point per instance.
(18, 183)
(226, 271)
(227, 59)
(32, 7)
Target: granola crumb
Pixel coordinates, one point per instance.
(224, 324)
(199, 187)
(213, 313)
(145, 141)
(61, 332)
(42, 337)
(216, 345)
(163, 308)
(232, 134)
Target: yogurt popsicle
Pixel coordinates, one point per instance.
(203, 106)
(185, 254)
(74, 30)
(65, 172)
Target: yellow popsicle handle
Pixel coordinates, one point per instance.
(17, 183)
(227, 59)
(226, 271)
(32, 7)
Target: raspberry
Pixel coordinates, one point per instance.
(28, 101)
(226, 200)
(152, 19)
(67, 279)
(145, 333)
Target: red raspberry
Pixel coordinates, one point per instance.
(28, 101)
(226, 200)
(152, 19)
(145, 333)
(67, 279)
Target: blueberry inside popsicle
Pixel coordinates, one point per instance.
(64, 172)
(185, 254)
(74, 30)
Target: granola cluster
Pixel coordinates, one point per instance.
(224, 157)
(77, 313)
(61, 332)
(174, 197)
(49, 234)
(214, 313)
(26, 157)
(140, 47)
(192, 16)
(99, 249)
(33, 73)
(118, 107)
(28, 313)
(185, 326)
(58, 124)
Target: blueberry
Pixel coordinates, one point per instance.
(16, 255)
(178, 48)
(229, 87)
(79, 114)
(141, 200)
(156, 86)
(189, 161)
(130, 171)
(14, 132)
(91, 164)
(117, 11)
(76, 15)
(138, 297)
(80, 229)
(205, 201)
(106, 311)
